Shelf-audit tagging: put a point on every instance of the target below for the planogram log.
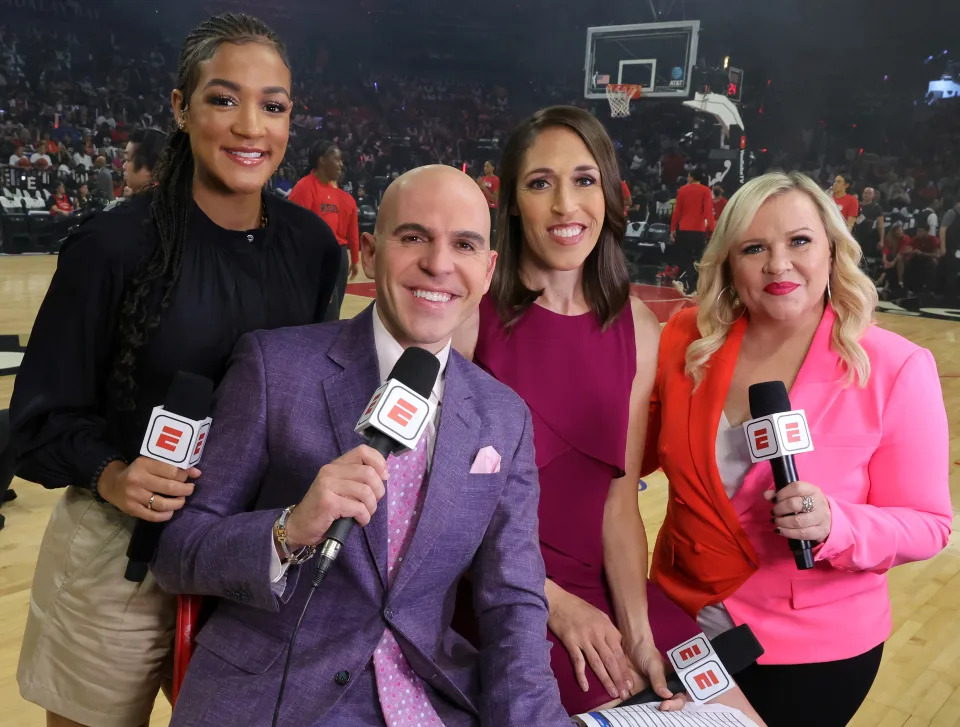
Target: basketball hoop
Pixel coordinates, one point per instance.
(619, 95)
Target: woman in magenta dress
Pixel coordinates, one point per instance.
(560, 328)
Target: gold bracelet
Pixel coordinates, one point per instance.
(280, 535)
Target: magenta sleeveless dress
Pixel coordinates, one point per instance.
(576, 379)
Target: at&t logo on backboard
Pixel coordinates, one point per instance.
(676, 77)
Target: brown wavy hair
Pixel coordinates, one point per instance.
(606, 285)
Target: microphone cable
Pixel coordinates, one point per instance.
(318, 577)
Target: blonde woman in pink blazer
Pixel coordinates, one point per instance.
(782, 298)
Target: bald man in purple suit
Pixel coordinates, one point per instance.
(283, 435)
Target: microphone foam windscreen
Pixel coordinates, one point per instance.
(417, 369)
(190, 396)
(768, 397)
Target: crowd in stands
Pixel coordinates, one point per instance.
(70, 105)
(71, 113)
(387, 123)
(68, 116)
(904, 198)
(914, 189)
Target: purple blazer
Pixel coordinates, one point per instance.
(287, 406)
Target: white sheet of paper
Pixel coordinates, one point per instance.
(647, 715)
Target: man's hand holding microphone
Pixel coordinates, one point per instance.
(348, 487)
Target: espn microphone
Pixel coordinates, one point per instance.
(394, 421)
(176, 434)
(736, 649)
(776, 433)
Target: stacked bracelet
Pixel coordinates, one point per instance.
(97, 473)
(280, 535)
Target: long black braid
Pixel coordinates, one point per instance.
(151, 287)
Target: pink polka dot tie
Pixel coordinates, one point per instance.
(403, 697)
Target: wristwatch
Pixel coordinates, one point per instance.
(280, 535)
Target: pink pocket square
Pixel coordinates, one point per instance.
(486, 463)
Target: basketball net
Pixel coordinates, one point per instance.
(619, 96)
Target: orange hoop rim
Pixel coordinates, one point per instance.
(634, 90)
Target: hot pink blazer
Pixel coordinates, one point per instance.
(881, 457)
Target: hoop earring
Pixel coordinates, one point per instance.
(829, 294)
(717, 307)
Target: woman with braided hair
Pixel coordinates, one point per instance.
(166, 282)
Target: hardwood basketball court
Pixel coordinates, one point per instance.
(919, 681)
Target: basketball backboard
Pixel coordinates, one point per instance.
(658, 56)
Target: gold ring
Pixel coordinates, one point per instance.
(150, 501)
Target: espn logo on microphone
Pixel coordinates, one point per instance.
(707, 681)
(174, 439)
(778, 435)
(696, 663)
(398, 412)
(689, 653)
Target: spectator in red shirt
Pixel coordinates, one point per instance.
(627, 197)
(719, 201)
(490, 186)
(894, 244)
(61, 202)
(848, 204)
(671, 167)
(318, 192)
(920, 259)
(895, 241)
(692, 220)
(928, 192)
(49, 144)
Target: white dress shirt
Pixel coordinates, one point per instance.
(388, 353)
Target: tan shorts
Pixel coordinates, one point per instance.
(96, 646)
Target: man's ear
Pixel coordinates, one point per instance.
(491, 267)
(368, 251)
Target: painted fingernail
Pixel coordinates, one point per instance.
(773, 520)
(776, 530)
